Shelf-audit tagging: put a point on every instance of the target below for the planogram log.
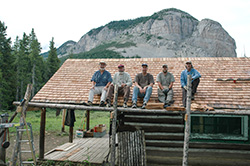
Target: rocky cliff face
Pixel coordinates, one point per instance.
(168, 33)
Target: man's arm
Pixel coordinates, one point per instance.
(171, 85)
(196, 74)
(106, 87)
(158, 80)
(182, 79)
(136, 84)
(93, 80)
(160, 85)
(129, 80)
(93, 84)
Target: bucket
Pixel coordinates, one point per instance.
(79, 134)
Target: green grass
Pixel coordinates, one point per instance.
(54, 124)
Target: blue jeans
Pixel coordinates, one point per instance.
(136, 93)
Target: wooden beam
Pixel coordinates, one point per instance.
(33, 109)
(229, 111)
(42, 134)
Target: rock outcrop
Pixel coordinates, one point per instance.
(168, 33)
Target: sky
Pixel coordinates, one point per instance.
(70, 20)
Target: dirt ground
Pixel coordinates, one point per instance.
(52, 140)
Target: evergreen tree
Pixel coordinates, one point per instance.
(15, 52)
(1, 87)
(53, 62)
(36, 63)
(8, 80)
(23, 65)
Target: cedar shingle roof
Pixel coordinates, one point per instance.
(71, 83)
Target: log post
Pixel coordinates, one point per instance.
(187, 124)
(71, 128)
(42, 134)
(113, 137)
(3, 119)
(63, 120)
(87, 123)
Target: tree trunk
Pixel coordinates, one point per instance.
(33, 79)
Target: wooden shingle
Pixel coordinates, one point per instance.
(71, 83)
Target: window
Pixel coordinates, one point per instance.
(225, 127)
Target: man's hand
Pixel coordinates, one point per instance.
(185, 87)
(93, 87)
(142, 90)
(123, 85)
(165, 91)
(105, 88)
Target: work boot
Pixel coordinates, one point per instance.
(90, 103)
(144, 105)
(125, 105)
(108, 103)
(134, 105)
(102, 104)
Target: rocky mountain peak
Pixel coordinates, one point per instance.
(167, 33)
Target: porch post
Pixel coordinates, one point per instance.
(187, 124)
(42, 134)
(113, 138)
(3, 137)
(63, 120)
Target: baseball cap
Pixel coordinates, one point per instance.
(188, 62)
(165, 65)
(144, 64)
(102, 62)
(121, 65)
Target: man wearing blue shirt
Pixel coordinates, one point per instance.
(195, 81)
(100, 83)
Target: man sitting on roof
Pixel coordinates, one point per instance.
(124, 82)
(195, 81)
(100, 83)
(143, 86)
(165, 82)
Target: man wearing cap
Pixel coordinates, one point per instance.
(124, 82)
(165, 82)
(100, 83)
(143, 86)
(195, 81)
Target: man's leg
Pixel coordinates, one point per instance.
(126, 92)
(148, 94)
(169, 98)
(134, 97)
(103, 96)
(195, 84)
(93, 92)
(135, 94)
(146, 97)
(161, 95)
(184, 97)
(110, 92)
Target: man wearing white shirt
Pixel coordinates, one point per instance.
(124, 82)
